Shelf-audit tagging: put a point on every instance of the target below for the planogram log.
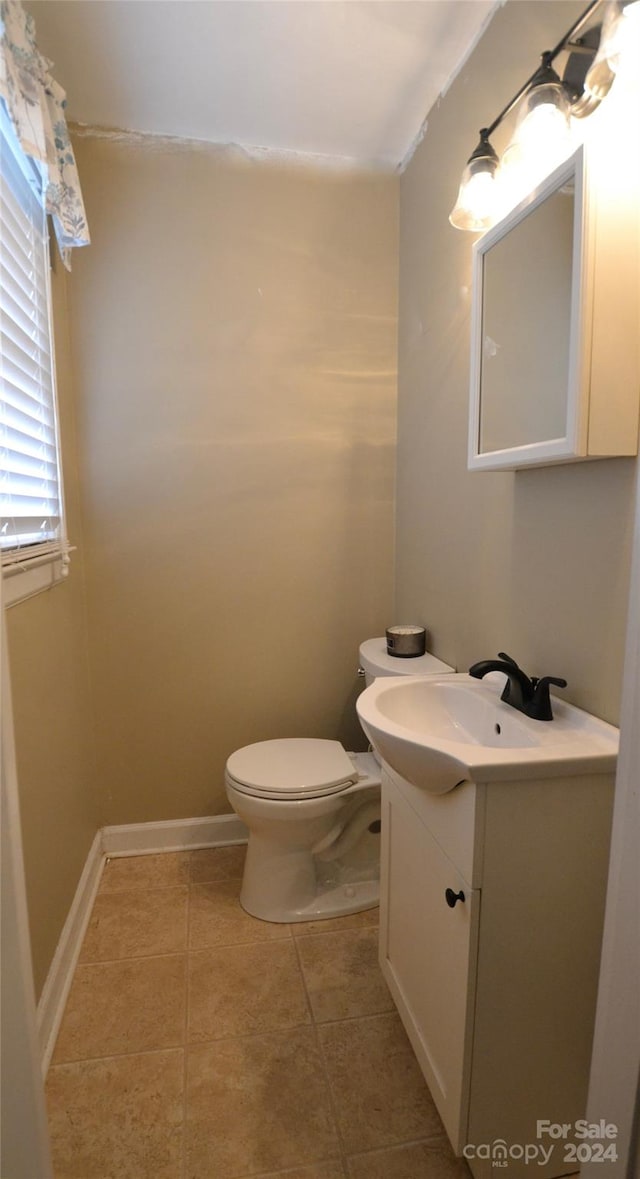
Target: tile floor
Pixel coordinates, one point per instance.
(200, 1043)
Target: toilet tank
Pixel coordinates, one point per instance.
(375, 662)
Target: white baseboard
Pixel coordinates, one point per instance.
(56, 988)
(138, 839)
(134, 839)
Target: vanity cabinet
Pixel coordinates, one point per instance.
(497, 991)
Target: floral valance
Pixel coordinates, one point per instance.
(35, 104)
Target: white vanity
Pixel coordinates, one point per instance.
(492, 906)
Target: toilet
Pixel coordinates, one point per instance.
(312, 810)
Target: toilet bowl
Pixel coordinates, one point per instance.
(313, 815)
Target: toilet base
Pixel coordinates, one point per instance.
(333, 901)
(313, 858)
(291, 884)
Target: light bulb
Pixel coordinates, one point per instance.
(475, 207)
(628, 37)
(602, 71)
(621, 23)
(542, 137)
(545, 131)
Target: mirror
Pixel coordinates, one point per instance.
(525, 341)
(528, 327)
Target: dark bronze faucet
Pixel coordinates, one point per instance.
(528, 695)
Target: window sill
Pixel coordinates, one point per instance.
(20, 584)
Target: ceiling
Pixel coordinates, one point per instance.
(351, 79)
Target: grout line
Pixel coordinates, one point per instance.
(116, 1056)
(344, 1158)
(430, 1143)
(329, 1023)
(137, 888)
(295, 925)
(307, 1026)
(277, 941)
(311, 1025)
(110, 892)
(304, 983)
(218, 880)
(325, 1069)
(186, 1044)
(132, 958)
(293, 1027)
(351, 931)
(119, 1055)
(296, 1170)
(262, 941)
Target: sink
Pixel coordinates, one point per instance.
(438, 731)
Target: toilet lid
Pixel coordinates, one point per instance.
(294, 767)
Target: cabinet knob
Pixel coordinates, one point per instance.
(452, 897)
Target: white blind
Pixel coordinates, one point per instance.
(31, 523)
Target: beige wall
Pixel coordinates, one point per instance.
(535, 562)
(53, 720)
(234, 339)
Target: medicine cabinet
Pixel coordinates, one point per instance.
(554, 336)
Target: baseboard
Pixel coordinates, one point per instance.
(138, 839)
(128, 840)
(56, 988)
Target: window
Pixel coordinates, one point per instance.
(33, 543)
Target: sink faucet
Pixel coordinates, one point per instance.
(528, 695)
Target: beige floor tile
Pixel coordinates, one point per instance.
(217, 919)
(245, 990)
(317, 1171)
(365, 918)
(154, 871)
(380, 1094)
(119, 1118)
(342, 974)
(131, 1006)
(424, 1160)
(217, 863)
(257, 1104)
(136, 923)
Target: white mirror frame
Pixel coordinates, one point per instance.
(573, 444)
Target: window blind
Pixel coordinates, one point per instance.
(31, 525)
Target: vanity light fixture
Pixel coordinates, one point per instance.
(475, 205)
(543, 136)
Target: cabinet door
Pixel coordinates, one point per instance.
(428, 954)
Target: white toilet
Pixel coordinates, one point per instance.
(313, 815)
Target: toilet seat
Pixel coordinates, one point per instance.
(291, 768)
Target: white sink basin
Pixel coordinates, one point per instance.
(437, 731)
